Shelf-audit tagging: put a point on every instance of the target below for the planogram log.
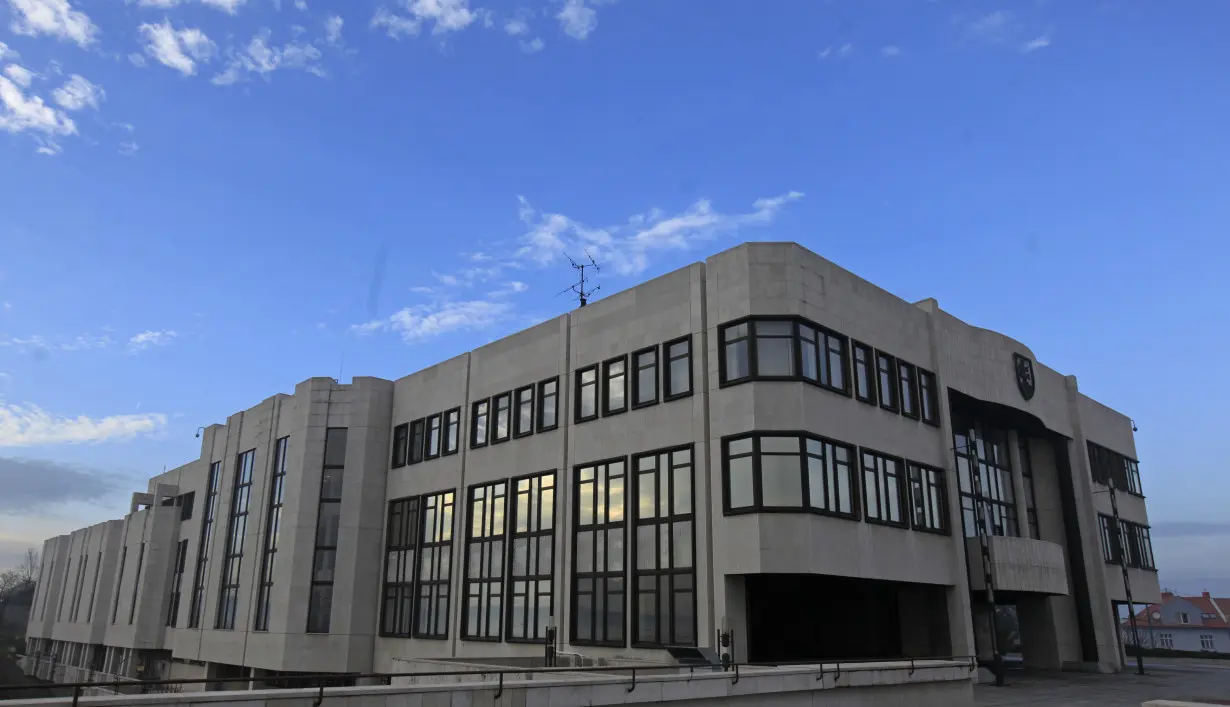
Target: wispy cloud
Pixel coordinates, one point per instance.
(77, 93)
(147, 339)
(19, 75)
(38, 343)
(179, 49)
(262, 59)
(533, 46)
(836, 51)
(38, 484)
(577, 19)
(1035, 44)
(228, 6)
(56, 18)
(429, 320)
(21, 112)
(28, 425)
(890, 51)
(443, 16)
(1003, 28)
(333, 30)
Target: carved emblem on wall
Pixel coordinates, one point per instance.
(1024, 375)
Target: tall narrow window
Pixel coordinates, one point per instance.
(177, 580)
(418, 434)
(479, 414)
(615, 388)
(401, 442)
(452, 431)
(484, 578)
(984, 479)
(774, 358)
(136, 584)
(531, 572)
(89, 616)
(401, 554)
(928, 400)
(864, 375)
(886, 377)
(502, 426)
(328, 520)
(548, 404)
(598, 596)
(1027, 477)
(119, 583)
(79, 582)
(645, 377)
(236, 528)
(435, 425)
(434, 557)
(928, 501)
(273, 528)
(202, 552)
(822, 356)
(587, 393)
(736, 353)
(525, 412)
(1111, 546)
(907, 379)
(830, 477)
(677, 371)
(883, 490)
(664, 578)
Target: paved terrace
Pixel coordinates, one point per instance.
(1178, 679)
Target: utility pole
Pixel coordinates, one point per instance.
(1127, 582)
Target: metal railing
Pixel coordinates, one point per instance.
(836, 668)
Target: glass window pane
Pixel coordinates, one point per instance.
(683, 490)
(741, 483)
(335, 446)
(681, 546)
(736, 360)
(781, 480)
(680, 383)
(774, 357)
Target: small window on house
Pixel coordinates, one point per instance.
(886, 376)
(587, 393)
(1206, 641)
(501, 429)
(525, 412)
(479, 414)
(907, 377)
(864, 375)
(401, 435)
(677, 371)
(1183, 617)
(548, 404)
(615, 390)
(416, 441)
(645, 377)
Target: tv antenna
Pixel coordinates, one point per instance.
(582, 293)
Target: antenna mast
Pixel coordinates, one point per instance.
(579, 288)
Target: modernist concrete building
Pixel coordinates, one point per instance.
(762, 444)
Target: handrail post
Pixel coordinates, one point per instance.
(76, 694)
(736, 680)
(633, 686)
(911, 673)
(500, 692)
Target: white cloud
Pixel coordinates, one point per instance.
(262, 59)
(1036, 43)
(47, 146)
(77, 93)
(227, 6)
(991, 28)
(39, 343)
(516, 27)
(533, 46)
(56, 18)
(147, 339)
(430, 320)
(840, 51)
(7, 53)
(20, 112)
(19, 74)
(179, 49)
(444, 15)
(136, 59)
(333, 30)
(513, 287)
(577, 19)
(28, 425)
(890, 51)
(301, 5)
(128, 148)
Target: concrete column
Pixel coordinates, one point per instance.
(1039, 638)
(1018, 483)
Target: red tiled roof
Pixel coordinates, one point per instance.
(1205, 604)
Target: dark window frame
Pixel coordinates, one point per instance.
(599, 618)
(988, 444)
(852, 471)
(402, 529)
(579, 391)
(666, 361)
(823, 362)
(273, 523)
(323, 623)
(533, 536)
(433, 423)
(177, 583)
(518, 402)
(891, 403)
(907, 381)
(447, 448)
(605, 385)
(881, 474)
(928, 390)
(212, 484)
(633, 379)
(477, 440)
(494, 422)
(869, 365)
(540, 404)
(401, 446)
(492, 548)
(657, 522)
(1107, 466)
(442, 557)
(925, 477)
(417, 444)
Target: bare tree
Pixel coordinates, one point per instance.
(17, 579)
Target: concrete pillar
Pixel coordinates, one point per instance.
(982, 626)
(1039, 637)
(1018, 483)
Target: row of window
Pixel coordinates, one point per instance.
(800, 471)
(1107, 465)
(427, 438)
(1130, 537)
(515, 413)
(508, 588)
(796, 349)
(606, 387)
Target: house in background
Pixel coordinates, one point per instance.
(1183, 624)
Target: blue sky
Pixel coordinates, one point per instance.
(206, 201)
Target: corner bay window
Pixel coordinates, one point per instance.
(663, 579)
(883, 488)
(587, 393)
(418, 546)
(783, 349)
(599, 525)
(484, 578)
(780, 471)
(328, 523)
